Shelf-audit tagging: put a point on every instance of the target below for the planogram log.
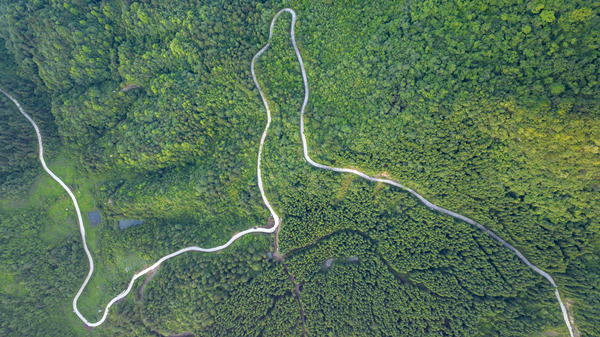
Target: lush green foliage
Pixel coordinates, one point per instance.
(524, 163)
(36, 276)
(235, 293)
(489, 109)
(17, 140)
(381, 302)
(191, 102)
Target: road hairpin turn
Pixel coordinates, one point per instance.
(262, 192)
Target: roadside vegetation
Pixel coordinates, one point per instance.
(490, 111)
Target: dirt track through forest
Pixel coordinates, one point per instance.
(262, 192)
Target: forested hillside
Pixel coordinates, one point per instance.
(148, 111)
(17, 140)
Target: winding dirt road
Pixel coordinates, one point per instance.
(164, 258)
(262, 192)
(387, 181)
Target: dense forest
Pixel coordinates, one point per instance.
(148, 111)
(17, 139)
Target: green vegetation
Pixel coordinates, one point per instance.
(148, 110)
(379, 302)
(18, 143)
(37, 276)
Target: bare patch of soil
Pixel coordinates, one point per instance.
(569, 304)
(129, 87)
(270, 223)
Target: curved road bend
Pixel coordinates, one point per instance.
(164, 258)
(387, 181)
(260, 185)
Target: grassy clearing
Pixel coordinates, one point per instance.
(556, 332)
(107, 282)
(61, 222)
(113, 268)
(66, 314)
(11, 285)
(47, 194)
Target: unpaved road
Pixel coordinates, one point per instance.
(262, 192)
(388, 181)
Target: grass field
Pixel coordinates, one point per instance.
(61, 222)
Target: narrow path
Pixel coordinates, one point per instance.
(262, 192)
(297, 294)
(149, 278)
